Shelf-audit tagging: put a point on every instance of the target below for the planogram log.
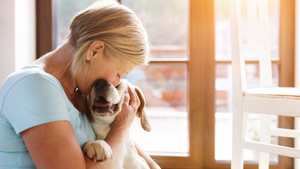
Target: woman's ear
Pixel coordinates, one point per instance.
(95, 48)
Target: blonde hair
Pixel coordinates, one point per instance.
(116, 26)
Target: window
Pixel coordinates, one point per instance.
(164, 81)
(189, 75)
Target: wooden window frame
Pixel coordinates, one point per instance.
(45, 30)
(201, 79)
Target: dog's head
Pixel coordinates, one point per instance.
(105, 102)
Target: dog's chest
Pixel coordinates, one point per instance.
(101, 130)
(127, 157)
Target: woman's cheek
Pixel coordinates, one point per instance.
(116, 81)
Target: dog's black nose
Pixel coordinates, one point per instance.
(101, 83)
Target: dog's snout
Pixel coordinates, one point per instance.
(101, 83)
(96, 83)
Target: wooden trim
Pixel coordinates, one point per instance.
(45, 34)
(287, 43)
(247, 62)
(200, 86)
(287, 68)
(202, 81)
(247, 165)
(169, 162)
(216, 62)
(169, 61)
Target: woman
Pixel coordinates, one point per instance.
(39, 126)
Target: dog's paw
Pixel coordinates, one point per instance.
(98, 150)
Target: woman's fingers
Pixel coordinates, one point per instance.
(132, 96)
(126, 98)
(129, 108)
(134, 100)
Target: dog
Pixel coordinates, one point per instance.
(101, 107)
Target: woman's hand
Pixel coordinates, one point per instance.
(129, 108)
(122, 121)
(118, 128)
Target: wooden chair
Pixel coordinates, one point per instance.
(266, 100)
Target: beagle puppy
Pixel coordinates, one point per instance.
(101, 108)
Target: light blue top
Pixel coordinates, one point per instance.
(30, 97)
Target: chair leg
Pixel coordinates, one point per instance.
(238, 136)
(265, 137)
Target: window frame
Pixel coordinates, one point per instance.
(201, 78)
(45, 27)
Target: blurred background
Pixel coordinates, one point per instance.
(31, 28)
(165, 85)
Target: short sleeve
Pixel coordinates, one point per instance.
(34, 100)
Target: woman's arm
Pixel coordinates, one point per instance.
(54, 145)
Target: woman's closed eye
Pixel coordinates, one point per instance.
(118, 85)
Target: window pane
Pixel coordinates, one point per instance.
(223, 107)
(65, 10)
(222, 29)
(164, 87)
(166, 23)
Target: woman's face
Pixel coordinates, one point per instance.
(101, 67)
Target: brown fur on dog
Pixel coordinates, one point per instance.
(79, 101)
(140, 112)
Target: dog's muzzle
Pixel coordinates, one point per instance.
(100, 102)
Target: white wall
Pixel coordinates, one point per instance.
(17, 32)
(7, 40)
(25, 32)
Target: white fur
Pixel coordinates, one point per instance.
(126, 157)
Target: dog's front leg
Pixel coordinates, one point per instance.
(98, 150)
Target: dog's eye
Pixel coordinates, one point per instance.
(118, 85)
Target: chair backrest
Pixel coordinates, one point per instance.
(253, 23)
(255, 26)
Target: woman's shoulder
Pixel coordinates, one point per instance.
(27, 76)
(30, 83)
(30, 97)
(34, 72)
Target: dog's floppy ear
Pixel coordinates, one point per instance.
(141, 112)
(79, 101)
